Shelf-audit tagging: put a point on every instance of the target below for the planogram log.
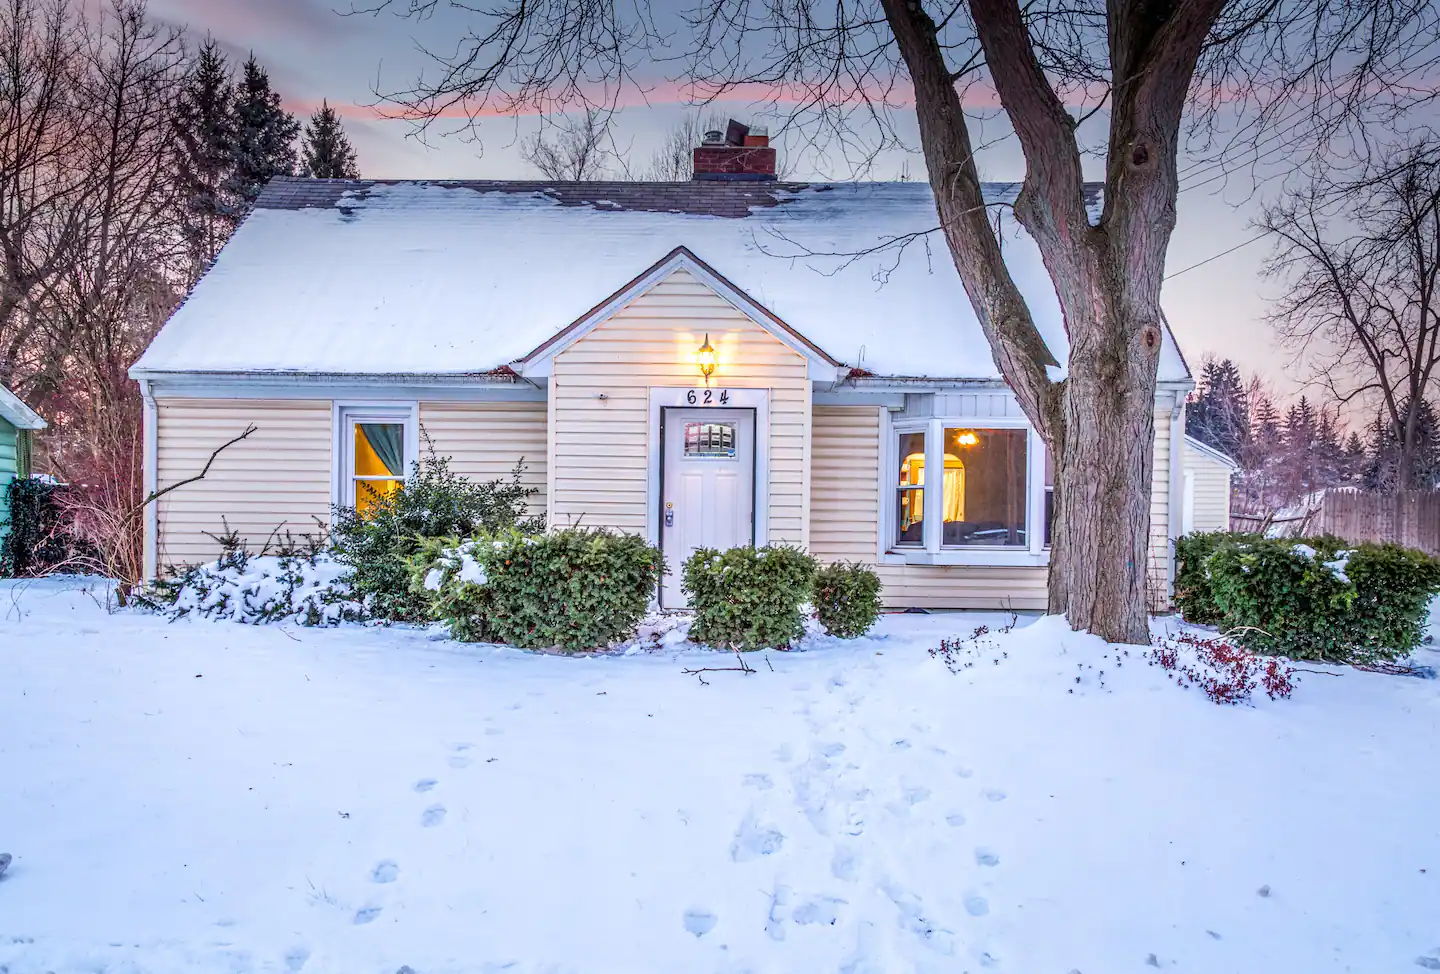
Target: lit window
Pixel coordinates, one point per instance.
(984, 501)
(910, 491)
(710, 440)
(379, 463)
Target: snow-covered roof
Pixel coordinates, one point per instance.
(17, 414)
(453, 278)
(1204, 449)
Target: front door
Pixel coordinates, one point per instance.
(708, 488)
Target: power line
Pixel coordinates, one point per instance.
(1217, 256)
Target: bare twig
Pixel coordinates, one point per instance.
(698, 672)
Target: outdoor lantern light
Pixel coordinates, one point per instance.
(967, 438)
(706, 358)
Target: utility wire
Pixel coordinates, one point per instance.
(1222, 253)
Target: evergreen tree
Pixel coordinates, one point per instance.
(1219, 414)
(265, 134)
(1383, 466)
(205, 130)
(325, 151)
(1353, 460)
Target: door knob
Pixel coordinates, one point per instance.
(670, 515)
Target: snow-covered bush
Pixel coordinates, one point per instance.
(575, 589)
(748, 598)
(1315, 598)
(305, 587)
(435, 503)
(1194, 596)
(1226, 673)
(847, 598)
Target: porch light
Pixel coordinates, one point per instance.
(706, 359)
(967, 438)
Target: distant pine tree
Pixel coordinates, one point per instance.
(325, 152)
(1353, 460)
(1384, 467)
(205, 158)
(1219, 413)
(265, 134)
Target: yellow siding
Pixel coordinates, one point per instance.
(1159, 595)
(485, 440)
(277, 479)
(1211, 479)
(600, 448)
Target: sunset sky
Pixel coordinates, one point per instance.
(313, 51)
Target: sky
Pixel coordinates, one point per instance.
(317, 49)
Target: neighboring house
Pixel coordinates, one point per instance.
(1205, 495)
(358, 324)
(17, 420)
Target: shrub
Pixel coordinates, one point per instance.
(299, 584)
(1314, 599)
(847, 598)
(1193, 595)
(576, 589)
(435, 503)
(748, 598)
(1226, 674)
(39, 541)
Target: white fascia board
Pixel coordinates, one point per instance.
(17, 414)
(251, 385)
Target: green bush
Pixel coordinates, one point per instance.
(576, 589)
(1193, 595)
(1316, 598)
(435, 503)
(847, 598)
(39, 541)
(748, 598)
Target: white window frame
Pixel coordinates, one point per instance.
(345, 415)
(934, 552)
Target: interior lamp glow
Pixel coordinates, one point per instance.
(706, 358)
(967, 438)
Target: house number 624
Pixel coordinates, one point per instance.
(707, 397)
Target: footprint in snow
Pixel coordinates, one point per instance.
(295, 958)
(964, 772)
(493, 731)
(425, 784)
(821, 910)
(955, 820)
(844, 865)
(994, 795)
(753, 840)
(459, 760)
(986, 857)
(700, 922)
(432, 816)
(915, 794)
(832, 750)
(1430, 963)
(385, 871)
(976, 905)
(366, 914)
(761, 782)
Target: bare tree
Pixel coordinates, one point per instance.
(1361, 266)
(843, 67)
(577, 153)
(674, 161)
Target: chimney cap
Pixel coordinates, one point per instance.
(714, 137)
(735, 133)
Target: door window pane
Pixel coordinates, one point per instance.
(984, 500)
(910, 491)
(710, 439)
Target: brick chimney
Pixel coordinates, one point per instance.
(741, 152)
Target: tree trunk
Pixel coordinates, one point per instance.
(1103, 454)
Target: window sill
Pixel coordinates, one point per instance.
(974, 558)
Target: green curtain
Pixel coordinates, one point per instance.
(388, 442)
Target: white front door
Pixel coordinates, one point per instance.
(708, 488)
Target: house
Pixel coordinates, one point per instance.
(725, 361)
(17, 420)
(1205, 490)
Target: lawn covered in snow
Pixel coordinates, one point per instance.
(210, 797)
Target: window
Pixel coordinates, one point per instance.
(985, 498)
(1049, 497)
(910, 491)
(710, 440)
(377, 449)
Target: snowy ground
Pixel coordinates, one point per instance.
(207, 797)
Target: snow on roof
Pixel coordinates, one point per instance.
(17, 414)
(355, 277)
(1203, 449)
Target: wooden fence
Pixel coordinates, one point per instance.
(1410, 517)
